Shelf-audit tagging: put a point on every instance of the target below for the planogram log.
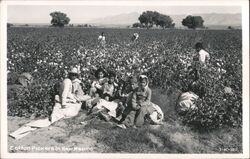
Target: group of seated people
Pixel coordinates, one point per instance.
(125, 102)
(128, 102)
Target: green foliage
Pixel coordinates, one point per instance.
(193, 22)
(59, 19)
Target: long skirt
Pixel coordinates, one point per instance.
(70, 110)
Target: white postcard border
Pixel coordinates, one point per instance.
(3, 85)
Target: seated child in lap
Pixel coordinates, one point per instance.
(109, 88)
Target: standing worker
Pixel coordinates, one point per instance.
(135, 37)
(102, 40)
(204, 56)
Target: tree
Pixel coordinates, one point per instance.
(9, 25)
(193, 22)
(150, 18)
(137, 25)
(59, 19)
(164, 21)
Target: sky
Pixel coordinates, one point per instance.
(83, 14)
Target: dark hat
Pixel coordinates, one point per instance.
(98, 71)
(133, 79)
(199, 45)
(111, 74)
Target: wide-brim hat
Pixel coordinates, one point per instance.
(74, 70)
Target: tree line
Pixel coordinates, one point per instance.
(150, 18)
(147, 19)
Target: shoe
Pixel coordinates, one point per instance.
(106, 117)
(121, 126)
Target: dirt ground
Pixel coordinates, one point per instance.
(78, 135)
(58, 137)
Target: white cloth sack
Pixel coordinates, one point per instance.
(41, 123)
(187, 101)
(157, 116)
(21, 132)
(111, 106)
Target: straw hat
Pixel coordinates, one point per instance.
(74, 70)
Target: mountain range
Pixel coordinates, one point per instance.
(210, 19)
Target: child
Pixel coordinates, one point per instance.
(96, 89)
(123, 99)
(141, 101)
(125, 96)
(109, 88)
(138, 106)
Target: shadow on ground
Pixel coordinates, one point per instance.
(77, 135)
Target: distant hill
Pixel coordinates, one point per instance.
(211, 19)
(121, 19)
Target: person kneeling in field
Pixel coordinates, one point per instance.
(67, 104)
(186, 101)
(141, 107)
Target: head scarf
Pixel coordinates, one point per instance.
(141, 77)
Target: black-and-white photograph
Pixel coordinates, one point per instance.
(125, 79)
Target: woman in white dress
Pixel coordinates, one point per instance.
(67, 104)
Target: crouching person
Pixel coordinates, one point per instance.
(187, 100)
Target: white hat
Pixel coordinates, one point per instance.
(74, 70)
